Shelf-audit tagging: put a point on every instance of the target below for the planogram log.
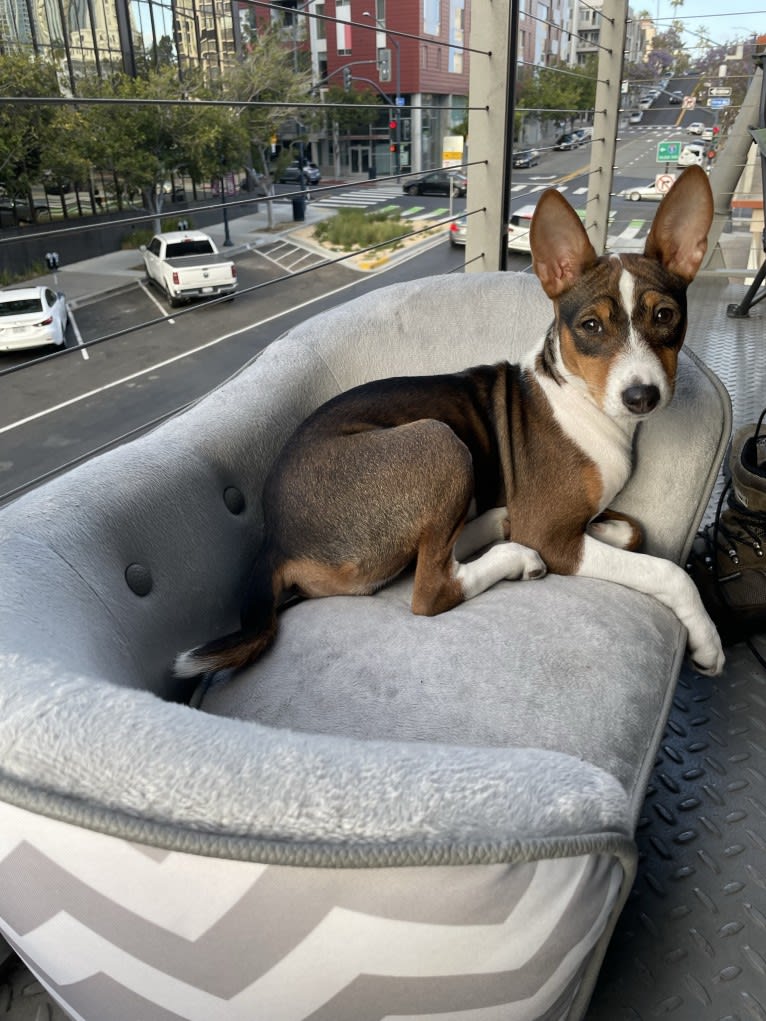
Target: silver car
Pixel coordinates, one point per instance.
(32, 317)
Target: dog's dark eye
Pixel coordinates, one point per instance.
(591, 325)
(664, 315)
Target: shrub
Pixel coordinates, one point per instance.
(352, 228)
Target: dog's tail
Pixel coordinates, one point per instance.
(239, 649)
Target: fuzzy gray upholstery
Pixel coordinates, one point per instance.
(554, 691)
(489, 763)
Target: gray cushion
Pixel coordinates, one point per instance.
(509, 739)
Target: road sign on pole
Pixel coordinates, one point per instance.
(664, 182)
(722, 90)
(668, 152)
(717, 102)
(688, 102)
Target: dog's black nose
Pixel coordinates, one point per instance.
(641, 398)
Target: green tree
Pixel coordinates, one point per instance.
(266, 74)
(23, 128)
(143, 142)
(559, 92)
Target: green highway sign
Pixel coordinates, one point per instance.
(668, 152)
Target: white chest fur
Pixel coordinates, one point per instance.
(606, 442)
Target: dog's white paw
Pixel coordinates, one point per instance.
(705, 650)
(525, 564)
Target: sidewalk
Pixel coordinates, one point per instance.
(82, 281)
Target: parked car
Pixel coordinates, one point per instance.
(14, 212)
(566, 141)
(292, 173)
(526, 158)
(32, 317)
(691, 153)
(186, 265)
(642, 193)
(458, 232)
(695, 128)
(437, 182)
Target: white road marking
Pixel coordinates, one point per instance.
(77, 334)
(147, 291)
(161, 365)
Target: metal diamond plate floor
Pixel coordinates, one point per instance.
(691, 942)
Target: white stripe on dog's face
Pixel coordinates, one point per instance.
(636, 364)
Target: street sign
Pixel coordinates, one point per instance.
(718, 101)
(664, 182)
(720, 91)
(688, 102)
(452, 150)
(668, 152)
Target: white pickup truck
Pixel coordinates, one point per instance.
(186, 264)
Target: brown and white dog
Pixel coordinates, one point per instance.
(384, 475)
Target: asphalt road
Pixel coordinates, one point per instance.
(57, 410)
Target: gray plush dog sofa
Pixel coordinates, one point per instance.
(389, 816)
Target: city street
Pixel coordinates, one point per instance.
(131, 360)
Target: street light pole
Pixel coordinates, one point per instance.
(398, 134)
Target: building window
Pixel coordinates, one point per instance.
(343, 31)
(456, 35)
(431, 17)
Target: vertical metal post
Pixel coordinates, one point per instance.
(606, 120)
(494, 29)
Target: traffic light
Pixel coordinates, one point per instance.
(347, 78)
(384, 65)
(393, 135)
(711, 153)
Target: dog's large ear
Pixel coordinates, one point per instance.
(678, 238)
(561, 250)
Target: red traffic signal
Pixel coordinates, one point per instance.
(716, 129)
(392, 147)
(711, 154)
(392, 125)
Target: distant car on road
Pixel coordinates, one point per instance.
(458, 232)
(518, 230)
(438, 182)
(707, 135)
(695, 128)
(14, 212)
(636, 116)
(292, 173)
(676, 98)
(642, 193)
(692, 153)
(526, 158)
(32, 317)
(566, 141)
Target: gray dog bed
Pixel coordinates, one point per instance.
(389, 816)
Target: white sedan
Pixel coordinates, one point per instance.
(32, 317)
(642, 193)
(695, 128)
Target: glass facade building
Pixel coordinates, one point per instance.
(102, 36)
